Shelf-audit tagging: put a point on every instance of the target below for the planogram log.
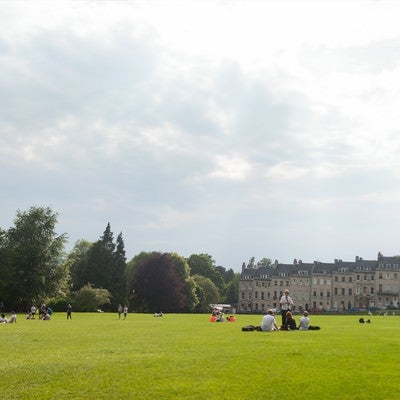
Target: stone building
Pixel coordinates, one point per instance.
(341, 285)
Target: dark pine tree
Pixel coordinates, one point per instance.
(107, 239)
(106, 267)
(119, 287)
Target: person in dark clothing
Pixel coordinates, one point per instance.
(290, 322)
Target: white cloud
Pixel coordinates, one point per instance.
(232, 167)
(167, 218)
(201, 124)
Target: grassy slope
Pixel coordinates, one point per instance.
(97, 356)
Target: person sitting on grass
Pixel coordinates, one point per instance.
(304, 322)
(268, 323)
(290, 323)
(46, 317)
(220, 318)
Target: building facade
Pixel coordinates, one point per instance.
(317, 286)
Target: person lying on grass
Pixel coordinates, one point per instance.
(13, 318)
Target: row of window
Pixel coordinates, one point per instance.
(380, 302)
(336, 291)
(321, 281)
(366, 277)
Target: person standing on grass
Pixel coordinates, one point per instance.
(268, 323)
(69, 311)
(119, 309)
(125, 311)
(286, 305)
(33, 311)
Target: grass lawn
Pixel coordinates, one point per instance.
(97, 356)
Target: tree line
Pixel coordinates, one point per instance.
(97, 275)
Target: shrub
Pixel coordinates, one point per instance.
(89, 298)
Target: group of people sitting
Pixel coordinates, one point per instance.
(158, 314)
(269, 324)
(44, 312)
(219, 316)
(12, 319)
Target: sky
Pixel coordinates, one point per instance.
(234, 128)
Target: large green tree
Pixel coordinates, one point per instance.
(227, 275)
(207, 293)
(77, 261)
(204, 265)
(32, 258)
(232, 290)
(102, 265)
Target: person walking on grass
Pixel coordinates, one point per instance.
(69, 311)
(119, 310)
(125, 311)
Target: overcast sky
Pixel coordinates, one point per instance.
(237, 129)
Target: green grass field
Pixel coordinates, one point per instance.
(97, 356)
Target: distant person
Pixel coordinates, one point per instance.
(119, 310)
(69, 311)
(42, 311)
(33, 311)
(287, 304)
(220, 317)
(125, 311)
(304, 322)
(13, 318)
(268, 323)
(46, 317)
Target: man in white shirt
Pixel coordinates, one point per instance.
(286, 305)
(268, 324)
(304, 322)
